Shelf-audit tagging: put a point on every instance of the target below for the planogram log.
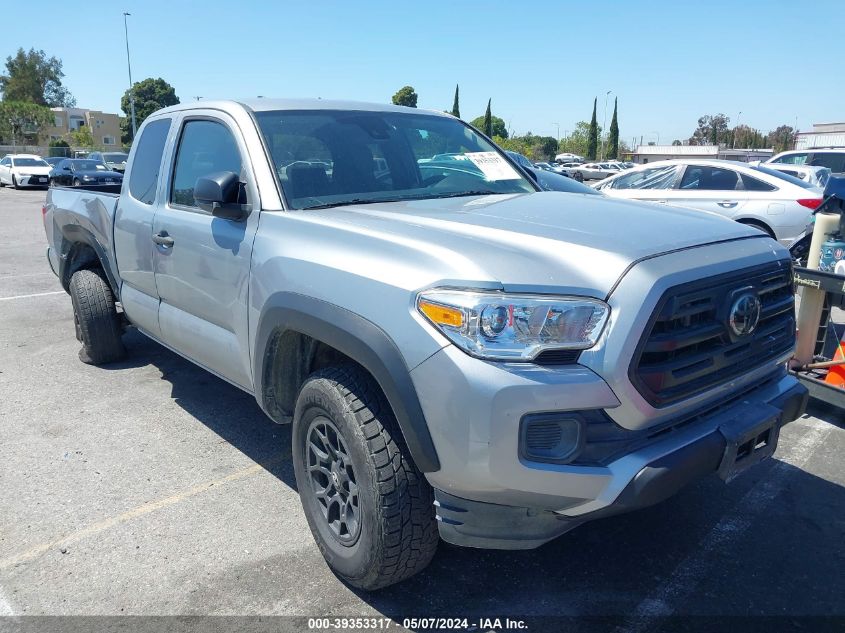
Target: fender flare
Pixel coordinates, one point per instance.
(362, 341)
(74, 234)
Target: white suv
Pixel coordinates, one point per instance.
(831, 157)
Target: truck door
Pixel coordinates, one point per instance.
(133, 227)
(201, 261)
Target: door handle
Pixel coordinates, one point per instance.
(163, 239)
(727, 204)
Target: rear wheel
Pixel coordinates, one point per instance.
(95, 318)
(369, 508)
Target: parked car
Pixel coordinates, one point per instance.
(771, 201)
(568, 157)
(54, 160)
(549, 178)
(79, 172)
(594, 171)
(442, 344)
(23, 170)
(816, 176)
(116, 161)
(831, 157)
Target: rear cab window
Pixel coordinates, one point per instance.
(146, 163)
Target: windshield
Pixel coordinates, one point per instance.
(115, 158)
(783, 176)
(88, 165)
(329, 158)
(29, 162)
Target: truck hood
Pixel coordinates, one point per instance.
(538, 242)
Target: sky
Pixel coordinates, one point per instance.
(761, 62)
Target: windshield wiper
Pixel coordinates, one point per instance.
(343, 203)
(425, 196)
(461, 194)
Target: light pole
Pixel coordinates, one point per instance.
(558, 131)
(735, 128)
(604, 124)
(658, 137)
(129, 67)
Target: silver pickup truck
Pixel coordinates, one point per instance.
(460, 355)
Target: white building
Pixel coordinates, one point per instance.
(823, 135)
(651, 153)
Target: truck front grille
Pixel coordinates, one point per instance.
(689, 346)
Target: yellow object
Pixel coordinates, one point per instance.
(441, 315)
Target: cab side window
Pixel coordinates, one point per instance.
(205, 147)
(146, 164)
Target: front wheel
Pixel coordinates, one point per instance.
(15, 182)
(579, 176)
(369, 508)
(76, 182)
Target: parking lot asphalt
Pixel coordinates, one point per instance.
(151, 487)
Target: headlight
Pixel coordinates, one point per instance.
(513, 327)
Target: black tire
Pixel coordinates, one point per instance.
(395, 533)
(97, 322)
(579, 176)
(15, 182)
(77, 182)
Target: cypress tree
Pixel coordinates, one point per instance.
(613, 143)
(456, 110)
(593, 136)
(488, 121)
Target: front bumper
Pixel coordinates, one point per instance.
(488, 496)
(32, 180)
(485, 525)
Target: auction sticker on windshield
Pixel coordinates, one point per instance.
(493, 166)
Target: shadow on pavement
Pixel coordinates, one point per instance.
(784, 558)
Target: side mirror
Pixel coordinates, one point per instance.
(218, 193)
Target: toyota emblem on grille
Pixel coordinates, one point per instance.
(745, 314)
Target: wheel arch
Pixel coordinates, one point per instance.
(81, 249)
(297, 334)
(757, 223)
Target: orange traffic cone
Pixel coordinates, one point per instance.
(836, 374)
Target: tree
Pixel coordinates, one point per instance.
(593, 138)
(499, 127)
(782, 138)
(82, 137)
(578, 141)
(150, 95)
(23, 121)
(456, 110)
(613, 141)
(406, 97)
(33, 78)
(676, 142)
(711, 130)
(59, 147)
(488, 121)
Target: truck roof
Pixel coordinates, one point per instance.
(263, 105)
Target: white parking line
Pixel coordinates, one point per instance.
(37, 294)
(689, 573)
(5, 605)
